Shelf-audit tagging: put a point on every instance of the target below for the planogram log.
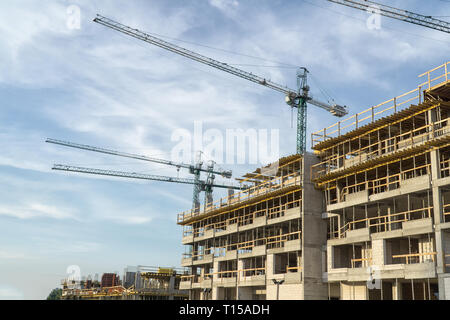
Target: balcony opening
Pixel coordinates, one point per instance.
(446, 249)
(357, 255)
(384, 292)
(255, 266)
(445, 196)
(226, 293)
(422, 289)
(287, 262)
(227, 269)
(410, 250)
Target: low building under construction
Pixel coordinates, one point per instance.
(242, 245)
(143, 283)
(365, 217)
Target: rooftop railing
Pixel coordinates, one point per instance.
(263, 188)
(399, 142)
(434, 78)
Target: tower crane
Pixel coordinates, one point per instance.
(294, 98)
(399, 14)
(199, 185)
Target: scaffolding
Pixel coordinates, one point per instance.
(385, 177)
(237, 247)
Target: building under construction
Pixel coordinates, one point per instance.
(240, 246)
(365, 217)
(143, 283)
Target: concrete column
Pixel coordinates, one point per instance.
(437, 212)
(171, 286)
(240, 266)
(437, 209)
(378, 252)
(314, 235)
(245, 293)
(330, 256)
(270, 266)
(396, 292)
(338, 192)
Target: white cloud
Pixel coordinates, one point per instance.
(224, 5)
(132, 220)
(10, 293)
(12, 255)
(64, 244)
(80, 247)
(106, 89)
(36, 210)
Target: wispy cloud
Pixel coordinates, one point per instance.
(132, 220)
(225, 5)
(99, 87)
(36, 210)
(10, 293)
(12, 255)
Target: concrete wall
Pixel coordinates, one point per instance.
(356, 291)
(286, 292)
(378, 252)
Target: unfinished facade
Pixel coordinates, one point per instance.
(367, 217)
(385, 178)
(238, 247)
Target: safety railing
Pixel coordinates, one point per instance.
(434, 78)
(383, 184)
(333, 234)
(445, 168)
(278, 241)
(260, 189)
(251, 272)
(355, 188)
(189, 278)
(446, 212)
(188, 232)
(246, 219)
(293, 269)
(382, 223)
(361, 263)
(271, 242)
(447, 260)
(413, 258)
(226, 275)
(241, 275)
(391, 145)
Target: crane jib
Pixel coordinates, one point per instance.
(398, 14)
(294, 98)
(191, 54)
(226, 174)
(210, 62)
(134, 175)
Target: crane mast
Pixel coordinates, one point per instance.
(399, 14)
(294, 98)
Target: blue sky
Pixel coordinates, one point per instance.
(95, 86)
